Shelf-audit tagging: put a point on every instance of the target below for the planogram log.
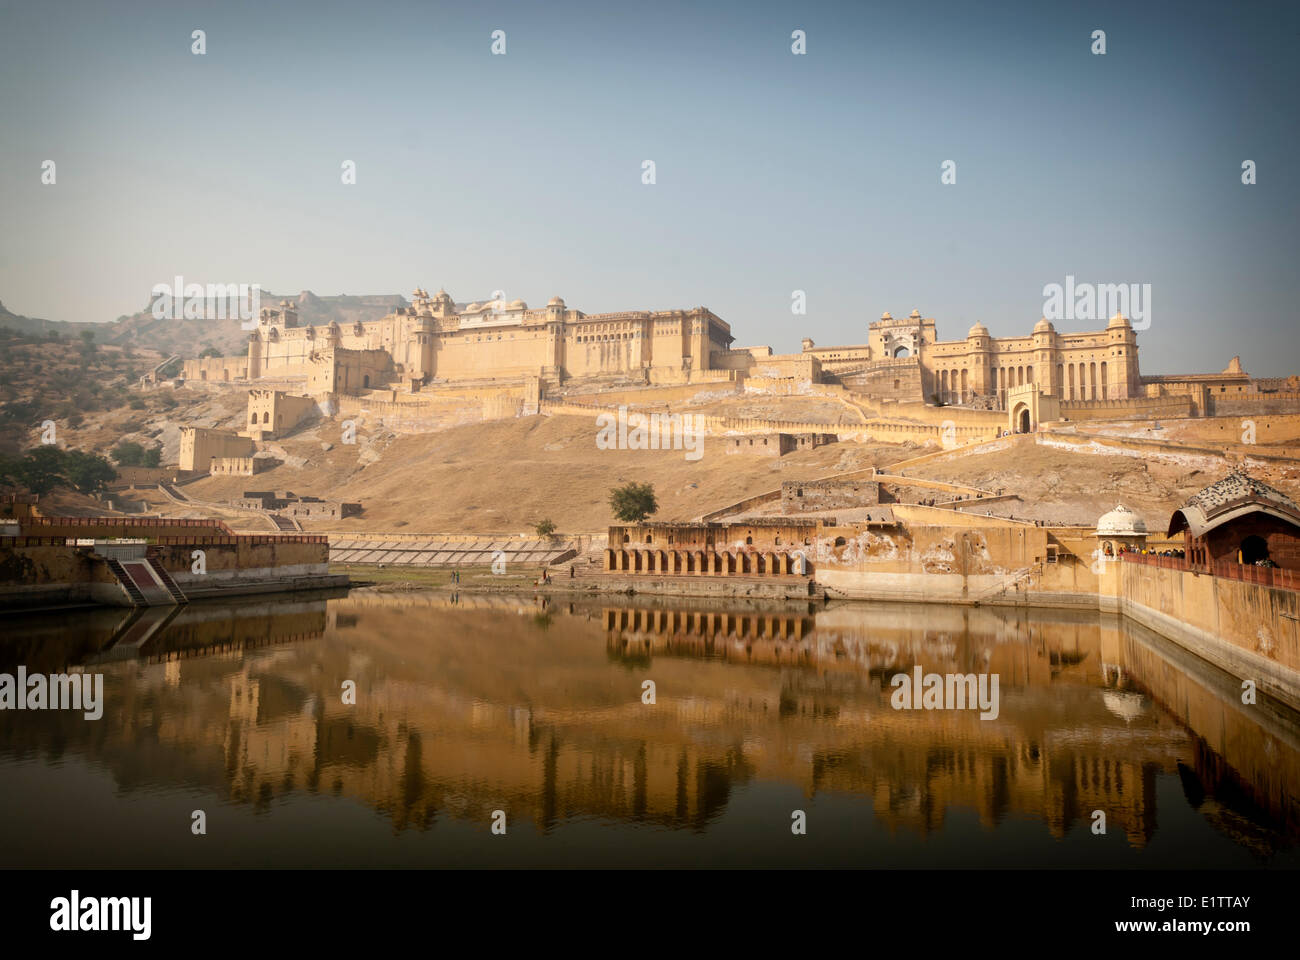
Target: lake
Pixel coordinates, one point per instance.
(772, 738)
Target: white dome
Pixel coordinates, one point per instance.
(472, 308)
(518, 305)
(1121, 522)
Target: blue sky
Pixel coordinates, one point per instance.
(775, 172)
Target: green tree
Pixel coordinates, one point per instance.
(209, 352)
(43, 468)
(87, 472)
(39, 471)
(128, 453)
(152, 457)
(545, 528)
(633, 501)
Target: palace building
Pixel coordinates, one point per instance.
(506, 346)
(434, 341)
(1101, 365)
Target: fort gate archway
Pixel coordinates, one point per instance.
(1028, 406)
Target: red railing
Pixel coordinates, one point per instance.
(1226, 569)
(242, 538)
(1155, 560)
(137, 522)
(233, 540)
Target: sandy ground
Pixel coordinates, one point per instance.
(505, 476)
(1062, 486)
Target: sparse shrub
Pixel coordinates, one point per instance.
(545, 528)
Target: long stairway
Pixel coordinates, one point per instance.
(147, 584)
(127, 583)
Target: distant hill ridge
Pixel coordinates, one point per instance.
(188, 337)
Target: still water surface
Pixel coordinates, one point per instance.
(534, 708)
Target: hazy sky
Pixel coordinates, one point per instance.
(775, 172)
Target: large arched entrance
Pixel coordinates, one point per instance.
(1253, 550)
(901, 352)
(1020, 418)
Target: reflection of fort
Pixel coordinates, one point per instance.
(534, 708)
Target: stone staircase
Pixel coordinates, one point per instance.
(132, 591)
(1012, 579)
(146, 584)
(286, 524)
(172, 587)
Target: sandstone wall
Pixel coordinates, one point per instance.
(1254, 404)
(1245, 628)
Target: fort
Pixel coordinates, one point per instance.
(512, 358)
(664, 380)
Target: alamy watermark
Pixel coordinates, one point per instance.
(946, 691)
(76, 913)
(58, 691)
(215, 301)
(1098, 301)
(655, 431)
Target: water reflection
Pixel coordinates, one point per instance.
(472, 704)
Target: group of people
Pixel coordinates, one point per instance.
(1171, 552)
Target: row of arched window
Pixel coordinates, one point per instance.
(1074, 381)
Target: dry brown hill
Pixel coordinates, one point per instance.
(505, 476)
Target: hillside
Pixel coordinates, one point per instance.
(76, 384)
(142, 330)
(505, 476)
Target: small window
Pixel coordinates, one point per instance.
(1051, 554)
